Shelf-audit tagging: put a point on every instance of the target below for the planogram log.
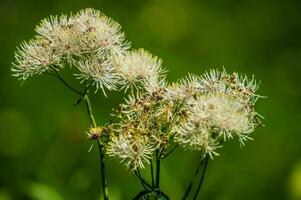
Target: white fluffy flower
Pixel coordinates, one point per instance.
(100, 73)
(183, 89)
(34, 57)
(99, 34)
(217, 106)
(214, 117)
(87, 40)
(214, 81)
(239, 86)
(61, 35)
(225, 114)
(196, 136)
(134, 152)
(139, 68)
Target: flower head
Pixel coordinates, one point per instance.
(99, 33)
(138, 69)
(133, 151)
(239, 86)
(35, 57)
(88, 40)
(61, 35)
(95, 133)
(214, 118)
(101, 73)
(197, 112)
(184, 89)
(217, 106)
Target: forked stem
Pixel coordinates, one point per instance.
(188, 190)
(202, 164)
(101, 148)
(143, 181)
(202, 178)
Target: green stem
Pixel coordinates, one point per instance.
(157, 170)
(170, 151)
(143, 181)
(202, 178)
(105, 190)
(66, 84)
(152, 173)
(193, 179)
(89, 109)
(101, 149)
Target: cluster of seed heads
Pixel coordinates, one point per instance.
(94, 45)
(197, 112)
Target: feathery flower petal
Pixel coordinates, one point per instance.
(87, 40)
(100, 73)
(99, 33)
(134, 152)
(139, 69)
(34, 57)
(61, 35)
(217, 106)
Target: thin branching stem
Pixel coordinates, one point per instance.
(202, 178)
(188, 190)
(170, 151)
(89, 110)
(105, 190)
(144, 183)
(66, 84)
(157, 169)
(152, 173)
(101, 148)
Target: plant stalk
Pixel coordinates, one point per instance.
(143, 181)
(202, 178)
(66, 84)
(152, 173)
(101, 147)
(188, 190)
(157, 170)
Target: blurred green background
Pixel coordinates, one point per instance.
(43, 147)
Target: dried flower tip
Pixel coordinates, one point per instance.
(95, 133)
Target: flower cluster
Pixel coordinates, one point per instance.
(139, 68)
(220, 107)
(144, 123)
(94, 45)
(198, 113)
